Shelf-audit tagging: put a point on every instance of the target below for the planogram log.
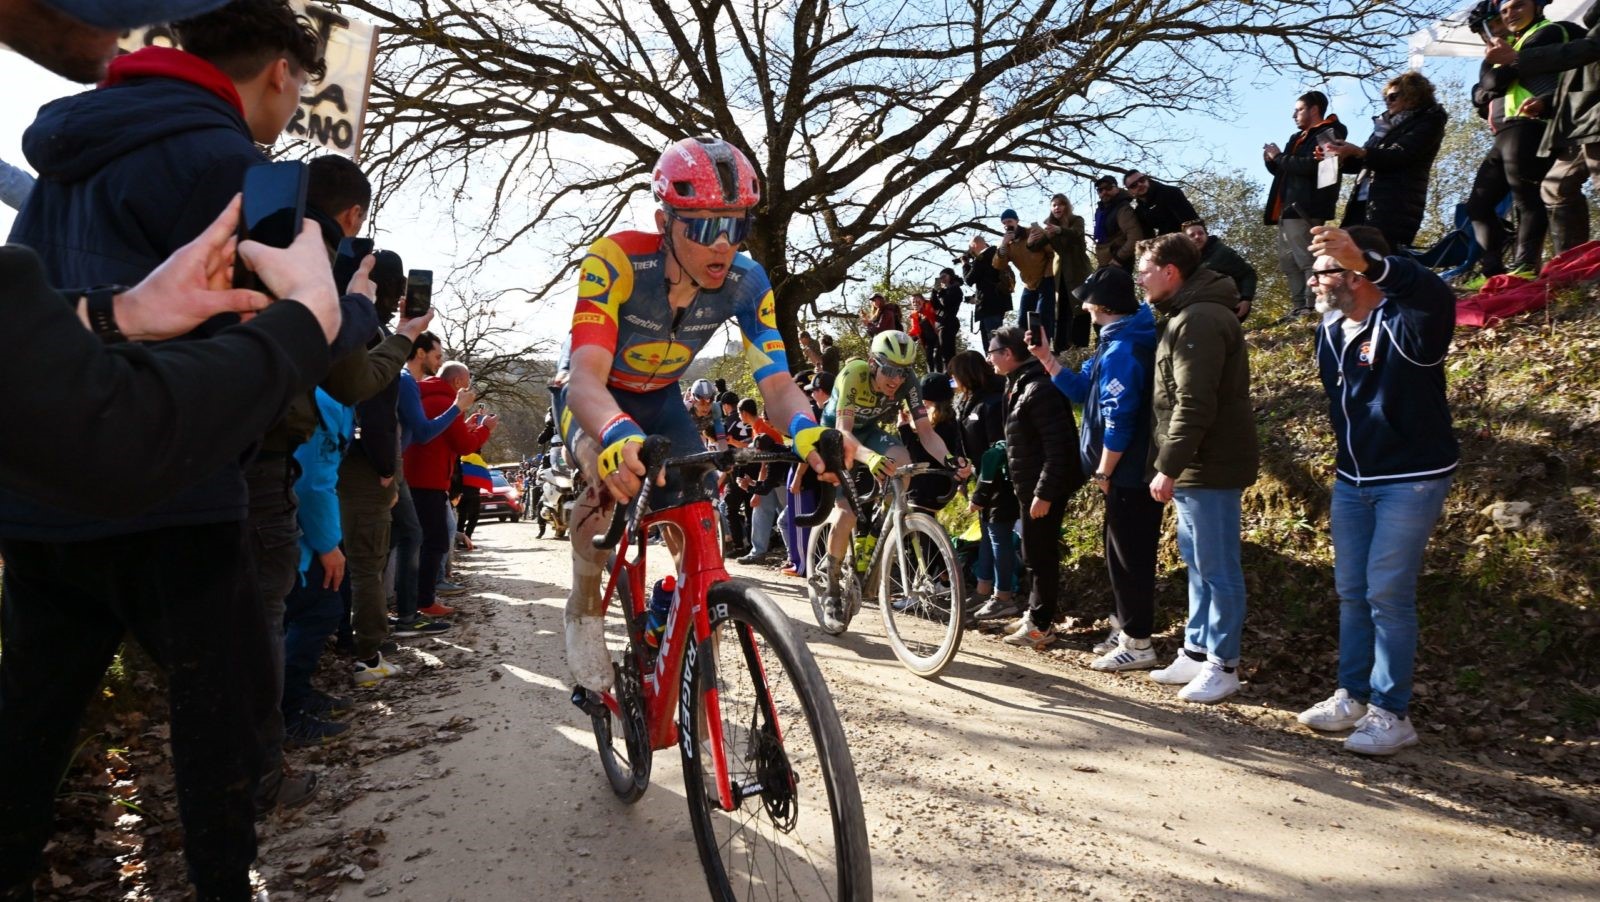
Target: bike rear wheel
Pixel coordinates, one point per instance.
(795, 829)
(920, 595)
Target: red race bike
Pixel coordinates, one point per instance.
(770, 783)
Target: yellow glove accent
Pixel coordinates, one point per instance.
(611, 457)
(805, 441)
(874, 461)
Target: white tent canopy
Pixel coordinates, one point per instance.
(1450, 36)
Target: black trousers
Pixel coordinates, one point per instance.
(1132, 532)
(469, 508)
(1072, 322)
(737, 503)
(949, 327)
(433, 514)
(188, 596)
(1513, 165)
(1041, 554)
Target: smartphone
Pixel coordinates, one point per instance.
(351, 252)
(274, 208)
(419, 293)
(1035, 330)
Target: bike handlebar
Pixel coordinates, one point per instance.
(653, 455)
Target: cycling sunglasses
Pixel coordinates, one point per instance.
(891, 371)
(705, 232)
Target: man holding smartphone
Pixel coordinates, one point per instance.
(1294, 202)
(177, 583)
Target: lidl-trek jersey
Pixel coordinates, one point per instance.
(853, 391)
(623, 307)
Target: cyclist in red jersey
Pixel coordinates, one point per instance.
(647, 303)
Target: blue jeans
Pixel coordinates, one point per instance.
(1041, 300)
(997, 556)
(311, 614)
(1208, 540)
(405, 534)
(1379, 534)
(763, 518)
(987, 325)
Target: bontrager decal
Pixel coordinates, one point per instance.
(685, 693)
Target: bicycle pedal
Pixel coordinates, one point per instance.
(589, 702)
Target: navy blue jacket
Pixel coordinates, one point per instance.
(1114, 389)
(127, 175)
(1386, 384)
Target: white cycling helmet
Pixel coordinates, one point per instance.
(893, 348)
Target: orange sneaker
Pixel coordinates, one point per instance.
(437, 609)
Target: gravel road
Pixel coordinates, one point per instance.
(1016, 775)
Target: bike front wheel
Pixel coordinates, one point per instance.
(817, 570)
(920, 595)
(785, 820)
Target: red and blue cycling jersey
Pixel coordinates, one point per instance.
(623, 307)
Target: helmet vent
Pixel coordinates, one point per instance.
(683, 188)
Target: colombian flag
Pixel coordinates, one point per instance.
(475, 473)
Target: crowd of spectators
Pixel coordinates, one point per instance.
(290, 462)
(280, 483)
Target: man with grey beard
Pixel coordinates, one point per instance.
(1386, 327)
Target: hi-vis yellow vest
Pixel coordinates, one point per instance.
(1518, 95)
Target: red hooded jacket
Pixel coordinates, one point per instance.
(428, 465)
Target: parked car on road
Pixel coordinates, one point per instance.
(500, 503)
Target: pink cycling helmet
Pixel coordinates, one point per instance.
(705, 174)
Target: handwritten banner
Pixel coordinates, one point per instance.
(332, 110)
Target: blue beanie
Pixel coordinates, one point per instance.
(1009, 214)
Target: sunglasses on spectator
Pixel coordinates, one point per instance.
(705, 231)
(1329, 272)
(1391, 97)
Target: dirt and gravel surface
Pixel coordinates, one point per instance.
(1016, 775)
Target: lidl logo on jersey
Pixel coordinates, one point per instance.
(768, 311)
(596, 277)
(659, 357)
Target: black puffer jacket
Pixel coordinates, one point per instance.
(1041, 437)
(1401, 163)
(981, 274)
(983, 425)
(1294, 175)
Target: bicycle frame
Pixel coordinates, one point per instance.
(688, 626)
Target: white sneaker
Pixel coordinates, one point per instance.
(1212, 684)
(1338, 712)
(1112, 639)
(368, 675)
(1126, 657)
(1381, 733)
(1030, 636)
(1182, 669)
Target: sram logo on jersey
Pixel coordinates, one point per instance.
(658, 356)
